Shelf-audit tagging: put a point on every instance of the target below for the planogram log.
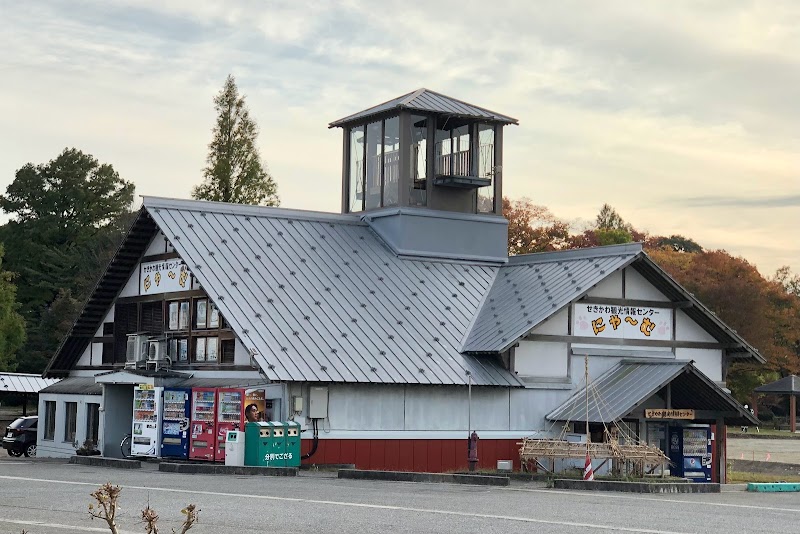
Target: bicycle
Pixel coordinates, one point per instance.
(125, 447)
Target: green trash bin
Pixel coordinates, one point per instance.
(257, 443)
(293, 444)
(277, 451)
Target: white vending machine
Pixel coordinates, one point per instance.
(146, 433)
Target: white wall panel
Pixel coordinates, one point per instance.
(542, 359)
(636, 287)
(709, 361)
(57, 447)
(609, 287)
(688, 330)
(447, 408)
(365, 407)
(157, 246)
(528, 408)
(556, 325)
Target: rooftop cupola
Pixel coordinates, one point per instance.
(426, 150)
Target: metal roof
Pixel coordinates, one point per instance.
(81, 385)
(788, 385)
(23, 383)
(429, 102)
(623, 388)
(320, 298)
(532, 287)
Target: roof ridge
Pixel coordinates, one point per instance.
(512, 119)
(576, 253)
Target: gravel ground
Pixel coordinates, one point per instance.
(765, 450)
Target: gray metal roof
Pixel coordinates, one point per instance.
(788, 385)
(530, 288)
(23, 383)
(429, 102)
(81, 385)
(320, 298)
(621, 389)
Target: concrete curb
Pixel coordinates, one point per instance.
(214, 469)
(635, 487)
(402, 476)
(102, 461)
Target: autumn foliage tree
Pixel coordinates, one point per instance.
(533, 228)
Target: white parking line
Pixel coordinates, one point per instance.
(620, 496)
(58, 526)
(362, 505)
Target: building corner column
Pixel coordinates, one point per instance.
(721, 451)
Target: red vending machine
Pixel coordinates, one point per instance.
(230, 416)
(204, 408)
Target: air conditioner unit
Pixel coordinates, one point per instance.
(156, 350)
(136, 349)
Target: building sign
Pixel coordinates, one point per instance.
(663, 413)
(165, 276)
(622, 322)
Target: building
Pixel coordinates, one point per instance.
(401, 323)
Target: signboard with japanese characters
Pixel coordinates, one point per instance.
(622, 322)
(664, 413)
(165, 276)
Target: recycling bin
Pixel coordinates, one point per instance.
(234, 447)
(293, 444)
(277, 452)
(258, 443)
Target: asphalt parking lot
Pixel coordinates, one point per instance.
(46, 496)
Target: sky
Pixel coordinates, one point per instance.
(682, 115)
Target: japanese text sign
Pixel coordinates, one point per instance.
(622, 322)
(165, 276)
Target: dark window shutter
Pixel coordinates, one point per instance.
(152, 317)
(126, 321)
(227, 352)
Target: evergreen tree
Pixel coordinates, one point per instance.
(70, 215)
(235, 172)
(12, 326)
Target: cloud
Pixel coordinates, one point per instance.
(792, 201)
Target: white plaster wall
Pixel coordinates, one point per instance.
(131, 287)
(709, 361)
(541, 359)
(556, 325)
(157, 246)
(609, 287)
(86, 356)
(241, 355)
(636, 287)
(528, 408)
(109, 318)
(688, 330)
(57, 447)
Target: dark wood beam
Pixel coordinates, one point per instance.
(644, 343)
(636, 303)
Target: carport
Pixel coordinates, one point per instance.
(24, 385)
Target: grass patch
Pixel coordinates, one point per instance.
(737, 431)
(743, 478)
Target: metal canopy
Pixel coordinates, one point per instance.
(320, 298)
(23, 383)
(788, 385)
(81, 385)
(427, 101)
(623, 388)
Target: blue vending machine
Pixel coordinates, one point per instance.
(175, 423)
(690, 452)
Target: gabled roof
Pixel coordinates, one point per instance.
(320, 298)
(532, 287)
(788, 385)
(627, 385)
(23, 383)
(429, 102)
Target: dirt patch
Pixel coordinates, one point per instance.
(771, 468)
(764, 450)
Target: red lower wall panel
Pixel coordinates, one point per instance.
(420, 455)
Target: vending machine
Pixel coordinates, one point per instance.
(230, 416)
(690, 452)
(175, 424)
(146, 432)
(203, 424)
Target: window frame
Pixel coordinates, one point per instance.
(70, 416)
(49, 433)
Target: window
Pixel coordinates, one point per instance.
(206, 349)
(391, 161)
(419, 160)
(178, 349)
(152, 317)
(356, 197)
(372, 198)
(228, 351)
(200, 313)
(70, 421)
(93, 422)
(178, 315)
(49, 420)
(486, 168)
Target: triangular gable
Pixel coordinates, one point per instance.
(105, 292)
(531, 288)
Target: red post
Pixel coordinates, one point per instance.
(472, 456)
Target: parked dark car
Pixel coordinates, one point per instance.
(20, 436)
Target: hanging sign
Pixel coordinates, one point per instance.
(165, 276)
(663, 413)
(622, 322)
